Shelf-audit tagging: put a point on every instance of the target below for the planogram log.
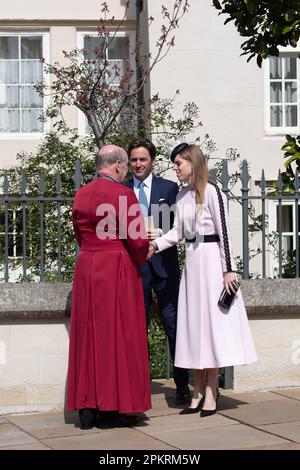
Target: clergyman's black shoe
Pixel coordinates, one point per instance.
(88, 418)
(107, 420)
(183, 396)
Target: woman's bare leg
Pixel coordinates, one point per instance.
(211, 389)
(199, 386)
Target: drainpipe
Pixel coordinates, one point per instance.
(139, 70)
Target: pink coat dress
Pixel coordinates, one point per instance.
(207, 335)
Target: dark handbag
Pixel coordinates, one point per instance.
(226, 299)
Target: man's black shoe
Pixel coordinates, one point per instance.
(183, 396)
(88, 418)
(107, 420)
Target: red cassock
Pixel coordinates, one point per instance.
(108, 356)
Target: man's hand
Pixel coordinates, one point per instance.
(152, 249)
(153, 233)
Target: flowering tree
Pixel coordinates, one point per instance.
(103, 90)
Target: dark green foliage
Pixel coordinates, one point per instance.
(267, 24)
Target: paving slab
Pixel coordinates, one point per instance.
(278, 411)
(43, 425)
(163, 407)
(162, 386)
(290, 430)
(229, 437)
(247, 398)
(193, 422)
(287, 446)
(11, 435)
(288, 392)
(3, 421)
(38, 446)
(112, 439)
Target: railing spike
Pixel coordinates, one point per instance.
(245, 177)
(213, 175)
(296, 181)
(263, 182)
(279, 182)
(58, 184)
(24, 184)
(5, 185)
(77, 177)
(42, 184)
(225, 178)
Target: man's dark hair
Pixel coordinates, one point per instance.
(142, 142)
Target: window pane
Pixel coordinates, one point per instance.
(31, 47)
(92, 46)
(9, 47)
(30, 122)
(119, 48)
(9, 71)
(287, 242)
(9, 120)
(18, 245)
(286, 218)
(290, 92)
(117, 70)
(276, 116)
(290, 67)
(275, 67)
(30, 98)
(291, 116)
(275, 92)
(31, 71)
(9, 96)
(10, 245)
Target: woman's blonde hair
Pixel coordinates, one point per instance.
(200, 173)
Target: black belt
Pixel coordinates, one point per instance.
(202, 238)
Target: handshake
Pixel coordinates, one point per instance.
(152, 233)
(152, 249)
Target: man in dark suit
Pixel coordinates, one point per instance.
(161, 273)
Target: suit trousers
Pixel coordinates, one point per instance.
(166, 290)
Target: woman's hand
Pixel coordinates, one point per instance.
(152, 249)
(231, 283)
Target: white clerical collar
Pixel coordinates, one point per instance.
(147, 181)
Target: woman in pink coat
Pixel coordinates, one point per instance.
(208, 337)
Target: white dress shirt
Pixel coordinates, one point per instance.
(147, 188)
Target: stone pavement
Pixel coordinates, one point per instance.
(262, 420)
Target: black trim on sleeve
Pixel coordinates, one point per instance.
(224, 228)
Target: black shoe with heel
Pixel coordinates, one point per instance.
(205, 413)
(188, 410)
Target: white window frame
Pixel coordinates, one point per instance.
(287, 51)
(81, 119)
(46, 55)
(274, 265)
(14, 233)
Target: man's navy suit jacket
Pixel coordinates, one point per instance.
(163, 191)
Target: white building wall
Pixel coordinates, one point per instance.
(205, 65)
(61, 20)
(57, 9)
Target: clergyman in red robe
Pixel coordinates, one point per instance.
(108, 374)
